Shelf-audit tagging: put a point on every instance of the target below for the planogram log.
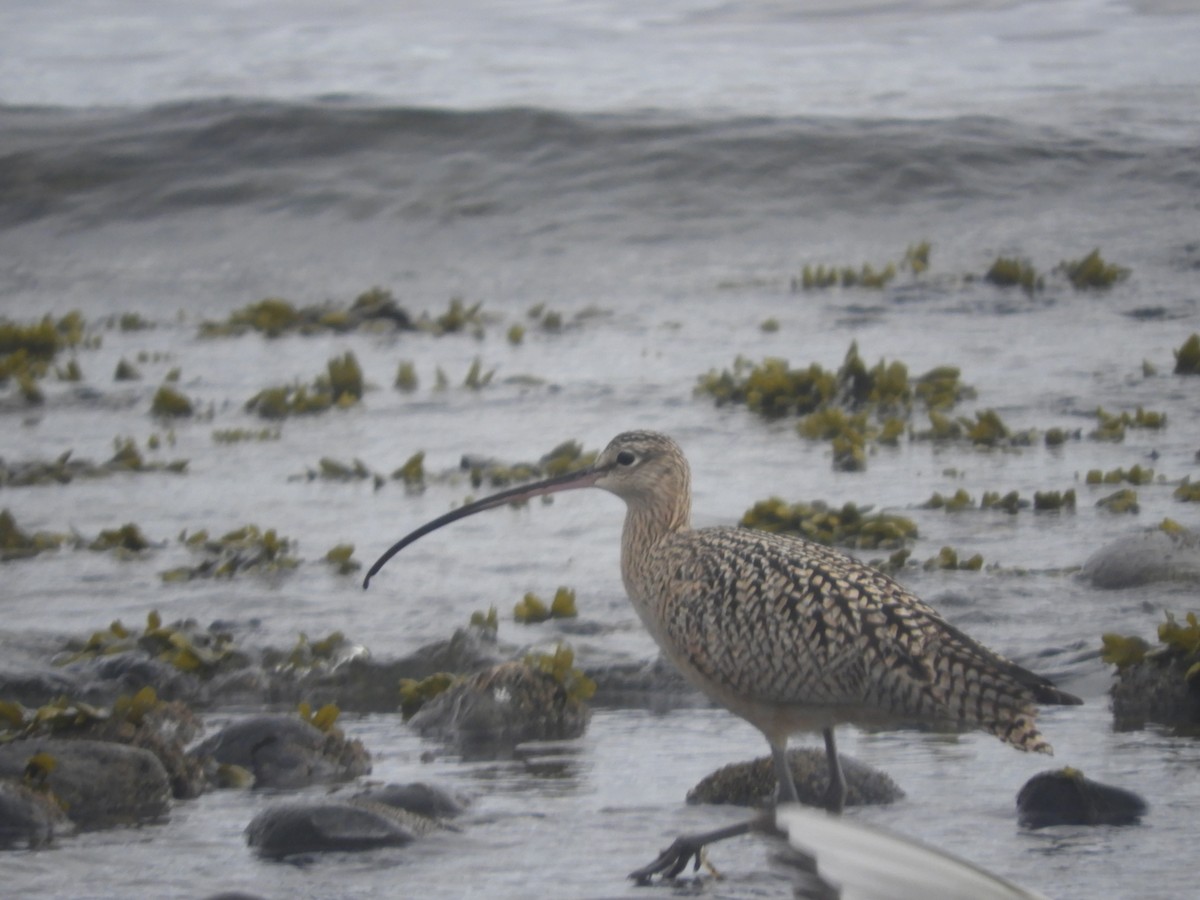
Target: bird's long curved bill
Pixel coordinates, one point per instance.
(570, 481)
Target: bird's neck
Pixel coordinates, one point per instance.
(646, 527)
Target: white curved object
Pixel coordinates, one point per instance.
(867, 863)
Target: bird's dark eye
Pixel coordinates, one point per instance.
(626, 458)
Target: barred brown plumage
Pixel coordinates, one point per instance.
(786, 633)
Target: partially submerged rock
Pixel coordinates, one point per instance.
(28, 818)
(331, 825)
(415, 797)
(364, 684)
(487, 714)
(656, 685)
(1159, 684)
(36, 685)
(753, 783)
(285, 752)
(390, 815)
(1145, 558)
(100, 784)
(1066, 797)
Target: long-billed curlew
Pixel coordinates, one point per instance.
(788, 634)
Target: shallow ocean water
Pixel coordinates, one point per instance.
(658, 177)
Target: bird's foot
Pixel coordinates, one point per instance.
(673, 860)
(690, 848)
(834, 800)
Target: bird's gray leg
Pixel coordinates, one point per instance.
(785, 785)
(686, 849)
(835, 794)
(675, 858)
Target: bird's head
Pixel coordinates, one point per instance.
(645, 469)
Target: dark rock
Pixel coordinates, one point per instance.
(128, 673)
(286, 752)
(36, 686)
(363, 684)
(1156, 689)
(753, 783)
(487, 714)
(101, 784)
(1145, 558)
(28, 818)
(656, 685)
(164, 729)
(416, 797)
(329, 826)
(1065, 797)
(467, 650)
(244, 687)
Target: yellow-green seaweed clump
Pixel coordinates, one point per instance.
(1188, 491)
(128, 538)
(17, 544)
(457, 317)
(1111, 427)
(916, 257)
(1123, 501)
(126, 371)
(1092, 272)
(948, 559)
(1177, 639)
(241, 435)
(345, 378)
(133, 322)
(1010, 503)
(127, 458)
(476, 378)
(73, 372)
(341, 385)
(63, 469)
(1187, 357)
(168, 403)
(848, 526)
(1121, 651)
(1135, 475)
(1049, 501)
(67, 714)
(1012, 272)
(565, 457)
(322, 719)
(988, 429)
(1056, 437)
(27, 350)
(406, 376)
(1183, 638)
(488, 622)
(271, 316)
(959, 500)
(560, 665)
(246, 550)
(331, 469)
(532, 609)
(414, 694)
(866, 276)
(181, 644)
(340, 559)
(274, 317)
(412, 472)
(854, 408)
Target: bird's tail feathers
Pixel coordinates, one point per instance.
(1021, 731)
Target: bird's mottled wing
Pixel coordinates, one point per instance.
(784, 621)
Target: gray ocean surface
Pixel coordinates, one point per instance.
(658, 174)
